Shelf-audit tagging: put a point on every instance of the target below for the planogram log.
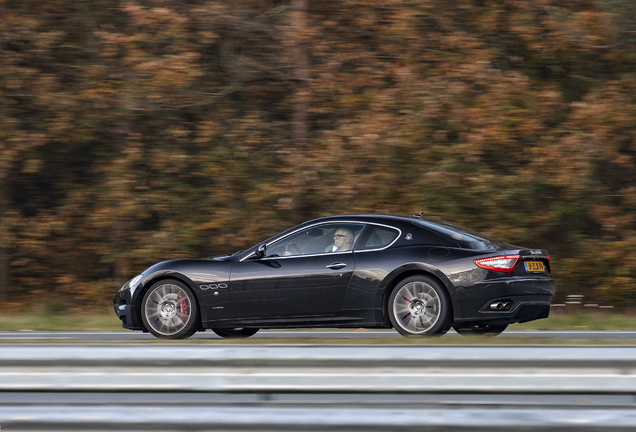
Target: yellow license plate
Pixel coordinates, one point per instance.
(534, 266)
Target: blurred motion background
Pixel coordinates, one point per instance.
(137, 131)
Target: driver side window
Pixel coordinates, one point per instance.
(325, 238)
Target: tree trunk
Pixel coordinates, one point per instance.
(4, 275)
(301, 104)
(4, 246)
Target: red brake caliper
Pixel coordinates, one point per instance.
(183, 307)
(407, 303)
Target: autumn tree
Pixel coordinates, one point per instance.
(137, 131)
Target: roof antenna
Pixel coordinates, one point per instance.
(421, 215)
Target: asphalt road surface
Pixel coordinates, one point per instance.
(124, 335)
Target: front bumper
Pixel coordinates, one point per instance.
(529, 299)
(124, 310)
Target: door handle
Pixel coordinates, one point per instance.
(336, 266)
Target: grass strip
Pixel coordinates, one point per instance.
(109, 322)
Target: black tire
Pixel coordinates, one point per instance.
(419, 305)
(169, 310)
(235, 333)
(480, 329)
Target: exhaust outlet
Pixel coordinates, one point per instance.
(497, 306)
(507, 306)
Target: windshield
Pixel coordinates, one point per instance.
(463, 237)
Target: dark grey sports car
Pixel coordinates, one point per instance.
(418, 275)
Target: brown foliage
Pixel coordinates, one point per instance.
(136, 131)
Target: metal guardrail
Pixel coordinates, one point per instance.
(314, 419)
(604, 370)
(360, 370)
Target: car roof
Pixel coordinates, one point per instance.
(363, 218)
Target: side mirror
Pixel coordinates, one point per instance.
(261, 250)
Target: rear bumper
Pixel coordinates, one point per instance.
(529, 299)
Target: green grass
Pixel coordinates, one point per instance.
(35, 321)
(62, 322)
(581, 321)
(109, 322)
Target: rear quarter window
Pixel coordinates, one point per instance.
(380, 237)
(456, 236)
(423, 236)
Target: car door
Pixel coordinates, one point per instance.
(306, 279)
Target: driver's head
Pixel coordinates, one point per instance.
(343, 238)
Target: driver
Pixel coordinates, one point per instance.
(342, 240)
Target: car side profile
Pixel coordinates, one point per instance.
(418, 275)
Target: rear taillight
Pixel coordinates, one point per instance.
(502, 263)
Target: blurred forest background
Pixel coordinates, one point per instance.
(138, 131)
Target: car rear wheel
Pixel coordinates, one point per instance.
(170, 311)
(419, 306)
(480, 329)
(235, 333)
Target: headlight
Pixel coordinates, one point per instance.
(134, 282)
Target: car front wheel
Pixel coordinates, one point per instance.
(170, 311)
(235, 333)
(419, 306)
